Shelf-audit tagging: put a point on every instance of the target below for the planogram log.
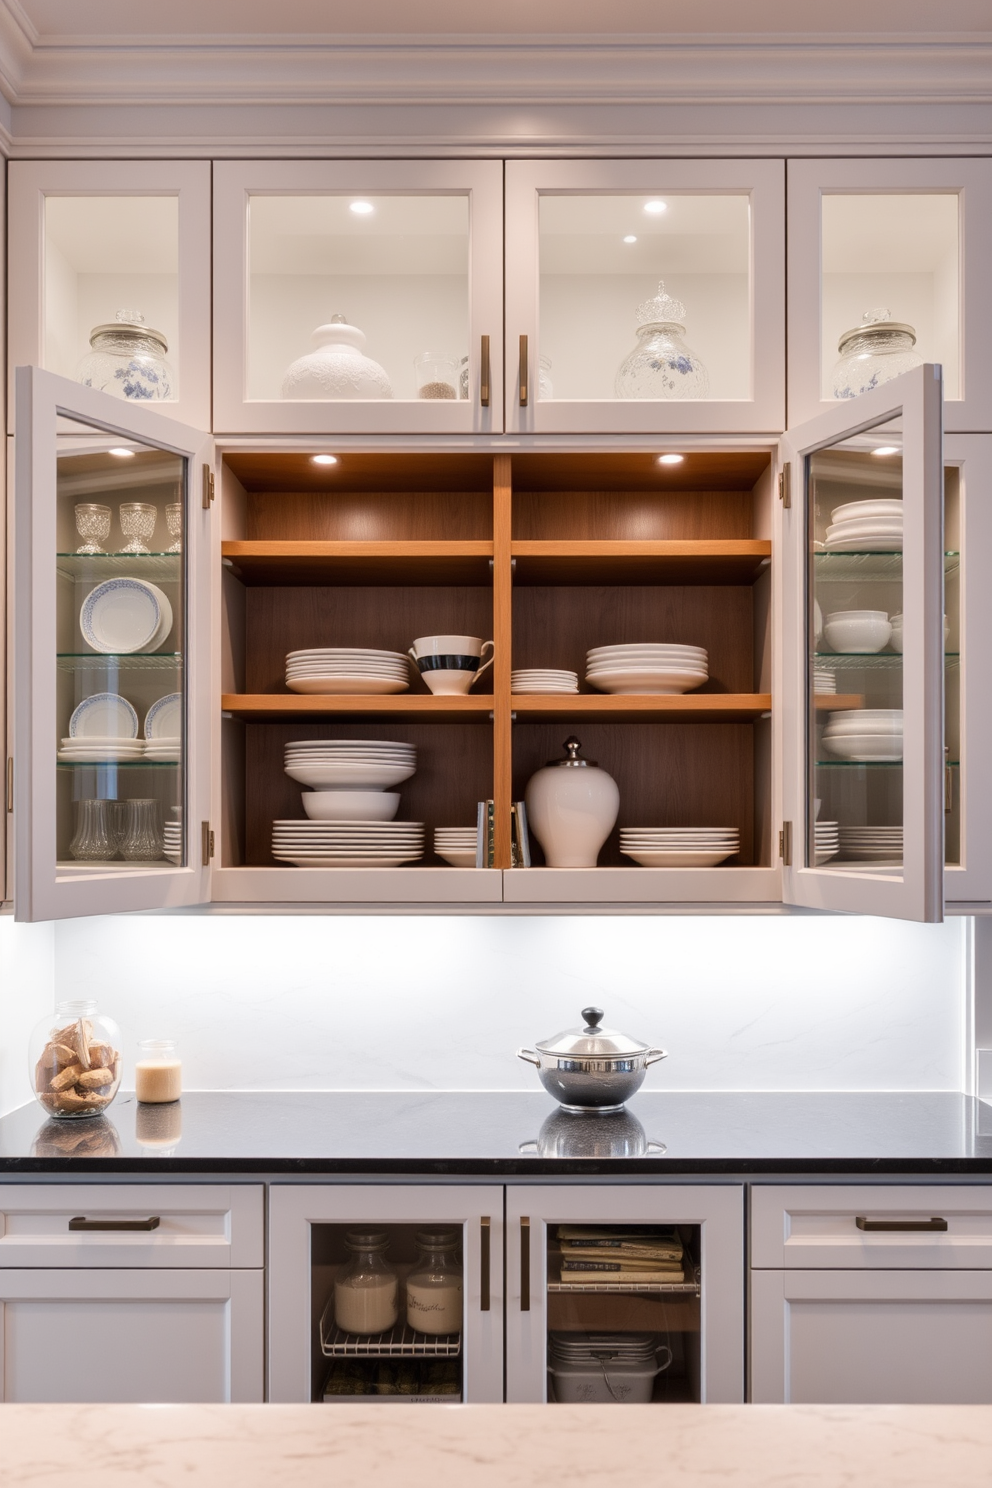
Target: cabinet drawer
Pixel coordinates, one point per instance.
(807, 1227)
(180, 1225)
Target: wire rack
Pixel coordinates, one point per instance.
(400, 1342)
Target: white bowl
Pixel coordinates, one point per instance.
(866, 721)
(862, 748)
(880, 507)
(895, 640)
(656, 681)
(648, 859)
(349, 805)
(457, 857)
(862, 632)
(342, 776)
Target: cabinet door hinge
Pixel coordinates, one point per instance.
(785, 844)
(785, 484)
(207, 843)
(208, 487)
(10, 782)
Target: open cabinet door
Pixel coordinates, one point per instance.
(863, 703)
(111, 654)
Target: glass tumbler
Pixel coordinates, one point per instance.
(137, 523)
(74, 1060)
(174, 521)
(95, 839)
(93, 525)
(142, 840)
(437, 376)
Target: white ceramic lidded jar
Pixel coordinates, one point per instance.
(572, 807)
(127, 360)
(877, 350)
(337, 369)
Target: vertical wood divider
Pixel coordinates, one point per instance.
(502, 665)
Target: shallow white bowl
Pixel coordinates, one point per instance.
(648, 859)
(863, 748)
(880, 507)
(347, 776)
(457, 857)
(656, 681)
(348, 805)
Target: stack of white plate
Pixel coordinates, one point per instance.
(824, 680)
(865, 734)
(649, 667)
(350, 764)
(865, 527)
(96, 749)
(872, 844)
(363, 844)
(125, 615)
(173, 835)
(456, 845)
(679, 847)
(543, 679)
(827, 841)
(347, 669)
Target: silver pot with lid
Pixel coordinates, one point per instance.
(591, 1068)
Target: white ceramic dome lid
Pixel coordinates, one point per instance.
(592, 1042)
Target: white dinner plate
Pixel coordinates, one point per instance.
(376, 744)
(164, 718)
(649, 859)
(299, 862)
(864, 545)
(343, 686)
(105, 715)
(124, 615)
(645, 680)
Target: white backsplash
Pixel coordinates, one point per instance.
(404, 1003)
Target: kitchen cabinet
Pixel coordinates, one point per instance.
(871, 1295)
(409, 253)
(907, 238)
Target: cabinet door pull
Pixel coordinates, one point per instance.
(485, 1237)
(484, 373)
(82, 1223)
(899, 1224)
(523, 372)
(525, 1264)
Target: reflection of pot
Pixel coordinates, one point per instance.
(593, 1134)
(94, 1138)
(591, 1068)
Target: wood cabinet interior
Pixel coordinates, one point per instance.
(548, 554)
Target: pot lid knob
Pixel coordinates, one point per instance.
(593, 1017)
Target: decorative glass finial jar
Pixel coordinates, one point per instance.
(877, 350)
(128, 360)
(337, 369)
(661, 365)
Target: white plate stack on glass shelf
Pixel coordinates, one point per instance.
(543, 679)
(173, 836)
(865, 527)
(865, 735)
(456, 845)
(679, 847)
(347, 670)
(826, 841)
(163, 726)
(363, 844)
(880, 845)
(102, 730)
(650, 667)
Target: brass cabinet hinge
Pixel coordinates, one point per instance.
(10, 782)
(208, 487)
(207, 843)
(785, 844)
(785, 484)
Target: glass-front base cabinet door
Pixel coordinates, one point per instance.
(112, 654)
(625, 1294)
(864, 654)
(391, 1294)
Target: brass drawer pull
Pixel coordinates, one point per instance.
(484, 373)
(486, 1238)
(82, 1223)
(525, 1264)
(899, 1224)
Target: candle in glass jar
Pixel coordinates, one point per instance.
(158, 1072)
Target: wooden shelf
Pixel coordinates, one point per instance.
(339, 562)
(684, 561)
(838, 702)
(707, 707)
(262, 707)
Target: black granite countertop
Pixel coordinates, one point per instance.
(508, 1135)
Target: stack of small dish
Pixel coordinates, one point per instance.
(872, 844)
(647, 667)
(456, 845)
(163, 723)
(865, 734)
(173, 836)
(824, 680)
(826, 841)
(362, 844)
(102, 729)
(543, 679)
(347, 669)
(350, 764)
(679, 847)
(125, 615)
(865, 527)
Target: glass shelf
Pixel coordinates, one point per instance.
(881, 661)
(117, 765)
(866, 568)
(90, 567)
(123, 661)
(872, 764)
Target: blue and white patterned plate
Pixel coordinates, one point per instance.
(123, 615)
(105, 715)
(164, 719)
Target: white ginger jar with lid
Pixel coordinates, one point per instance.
(572, 807)
(337, 368)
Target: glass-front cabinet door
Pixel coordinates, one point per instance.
(645, 296)
(112, 607)
(888, 269)
(358, 297)
(864, 654)
(111, 263)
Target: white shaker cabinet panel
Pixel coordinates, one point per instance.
(131, 1336)
(879, 1338)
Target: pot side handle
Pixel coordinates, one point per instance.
(654, 1055)
(529, 1057)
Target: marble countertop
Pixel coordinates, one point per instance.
(509, 1134)
(494, 1446)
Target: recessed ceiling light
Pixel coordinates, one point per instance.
(122, 454)
(630, 238)
(361, 208)
(886, 449)
(670, 459)
(323, 459)
(656, 207)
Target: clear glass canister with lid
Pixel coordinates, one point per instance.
(367, 1291)
(877, 350)
(75, 1060)
(661, 364)
(128, 360)
(434, 1286)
